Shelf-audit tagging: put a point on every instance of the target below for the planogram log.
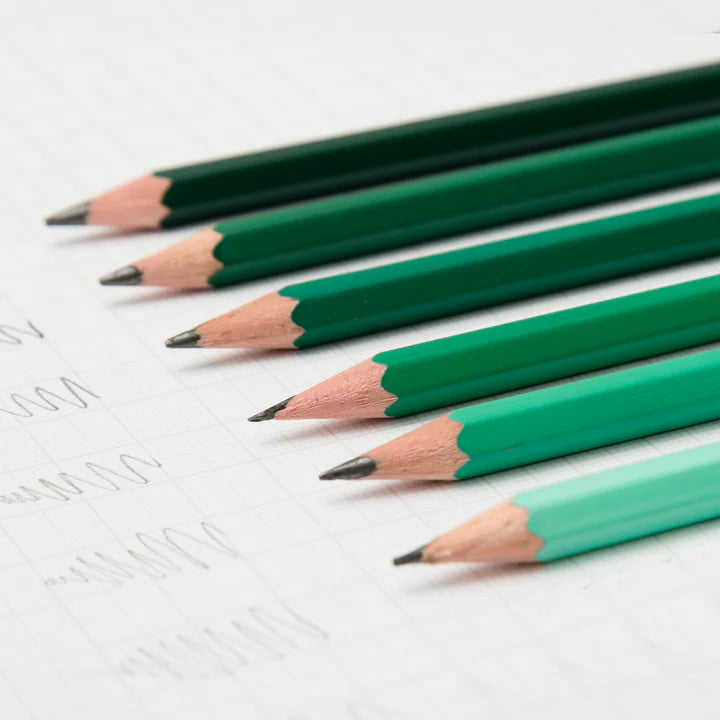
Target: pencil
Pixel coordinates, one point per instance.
(248, 182)
(586, 513)
(341, 306)
(433, 207)
(507, 357)
(550, 422)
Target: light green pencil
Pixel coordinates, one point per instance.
(587, 513)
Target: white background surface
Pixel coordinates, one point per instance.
(95, 94)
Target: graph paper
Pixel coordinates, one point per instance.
(161, 557)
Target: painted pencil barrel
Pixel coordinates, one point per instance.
(303, 171)
(548, 347)
(624, 503)
(457, 202)
(398, 294)
(589, 413)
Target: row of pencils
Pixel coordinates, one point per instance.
(437, 178)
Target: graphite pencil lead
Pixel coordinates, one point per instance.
(270, 412)
(128, 275)
(358, 467)
(74, 215)
(416, 556)
(187, 339)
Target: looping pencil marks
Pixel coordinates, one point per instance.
(68, 486)
(49, 400)
(262, 636)
(173, 551)
(11, 335)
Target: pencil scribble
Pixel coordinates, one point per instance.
(66, 486)
(262, 636)
(11, 335)
(48, 400)
(171, 551)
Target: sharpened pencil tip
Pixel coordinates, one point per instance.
(128, 275)
(74, 215)
(187, 339)
(416, 556)
(358, 467)
(271, 412)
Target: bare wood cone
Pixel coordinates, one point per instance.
(262, 323)
(185, 264)
(428, 453)
(499, 535)
(354, 393)
(137, 204)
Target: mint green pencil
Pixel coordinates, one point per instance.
(587, 513)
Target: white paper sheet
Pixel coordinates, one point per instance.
(160, 557)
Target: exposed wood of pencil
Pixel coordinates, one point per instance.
(500, 534)
(429, 452)
(185, 264)
(354, 393)
(137, 204)
(263, 323)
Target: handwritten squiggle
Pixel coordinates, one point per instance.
(157, 557)
(49, 399)
(264, 636)
(69, 485)
(9, 334)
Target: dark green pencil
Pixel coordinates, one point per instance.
(249, 182)
(357, 303)
(433, 207)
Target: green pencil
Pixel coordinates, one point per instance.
(438, 206)
(342, 306)
(550, 422)
(587, 513)
(247, 182)
(506, 357)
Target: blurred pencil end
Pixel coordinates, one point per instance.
(187, 339)
(74, 215)
(354, 469)
(128, 275)
(269, 413)
(416, 556)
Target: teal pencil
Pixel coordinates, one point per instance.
(506, 357)
(550, 422)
